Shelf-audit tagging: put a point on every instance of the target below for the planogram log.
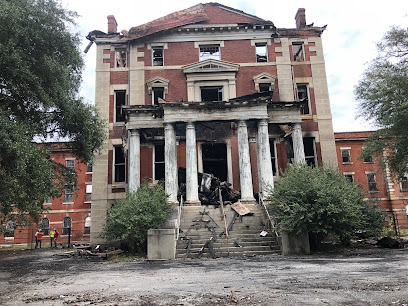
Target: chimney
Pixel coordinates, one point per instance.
(112, 25)
(300, 18)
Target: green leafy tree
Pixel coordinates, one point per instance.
(321, 201)
(40, 78)
(129, 219)
(382, 93)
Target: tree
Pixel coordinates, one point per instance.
(321, 201)
(129, 219)
(40, 78)
(382, 93)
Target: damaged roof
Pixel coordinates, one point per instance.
(200, 13)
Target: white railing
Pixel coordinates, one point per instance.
(179, 217)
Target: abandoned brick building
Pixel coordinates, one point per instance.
(210, 89)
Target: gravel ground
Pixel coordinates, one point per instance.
(366, 276)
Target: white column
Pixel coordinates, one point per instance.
(264, 158)
(170, 161)
(247, 191)
(134, 161)
(191, 165)
(298, 149)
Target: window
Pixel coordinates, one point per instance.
(45, 225)
(345, 155)
(70, 164)
(349, 177)
(310, 151)
(368, 159)
(120, 58)
(88, 192)
(89, 168)
(211, 93)
(211, 51)
(159, 162)
(10, 228)
(263, 87)
(261, 52)
(158, 56)
(69, 194)
(87, 229)
(67, 223)
(303, 96)
(157, 92)
(404, 183)
(120, 99)
(48, 200)
(298, 52)
(372, 182)
(119, 164)
(264, 82)
(273, 157)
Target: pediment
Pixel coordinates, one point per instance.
(158, 82)
(264, 76)
(210, 65)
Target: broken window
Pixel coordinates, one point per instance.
(119, 164)
(157, 92)
(211, 51)
(120, 58)
(211, 93)
(88, 192)
(158, 56)
(261, 52)
(273, 156)
(345, 156)
(372, 182)
(159, 162)
(310, 150)
(67, 223)
(69, 193)
(349, 177)
(10, 228)
(45, 225)
(264, 87)
(298, 52)
(303, 96)
(214, 156)
(120, 100)
(368, 159)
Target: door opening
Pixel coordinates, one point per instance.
(214, 157)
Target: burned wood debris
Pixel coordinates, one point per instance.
(209, 188)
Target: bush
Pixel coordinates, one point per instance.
(321, 201)
(129, 219)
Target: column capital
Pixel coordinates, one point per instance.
(134, 132)
(263, 122)
(190, 124)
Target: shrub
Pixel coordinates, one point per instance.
(321, 201)
(129, 219)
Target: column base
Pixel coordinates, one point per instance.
(248, 201)
(192, 203)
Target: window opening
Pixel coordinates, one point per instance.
(368, 159)
(10, 228)
(264, 87)
(88, 192)
(273, 157)
(303, 96)
(214, 156)
(159, 162)
(70, 164)
(372, 182)
(89, 168)
(310, 151)
(349, 177)
(67, 223)
(158, 92)
(261, 53)
(119, 164)
(87, 229)
(404, 183)
(45, 225)
(345, 155)
(209, 93)
(298, 53)
(207, 52)
(158, 57)
(120, 99)
(69, 193)
(121, 60)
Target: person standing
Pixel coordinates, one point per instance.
(52, 233)
(38, 238)
(56, 234)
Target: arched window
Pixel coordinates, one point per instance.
(66, 225)
(45, 225)
(10, 227)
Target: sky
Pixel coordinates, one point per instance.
(349, 42)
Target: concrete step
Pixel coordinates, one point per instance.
(230, 254)
(245, 245)
(230, 249)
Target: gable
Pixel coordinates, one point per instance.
(210, 65)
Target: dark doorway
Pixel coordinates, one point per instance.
(215, 159)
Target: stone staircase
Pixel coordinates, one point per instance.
(244, 237)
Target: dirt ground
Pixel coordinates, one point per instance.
(366, 276)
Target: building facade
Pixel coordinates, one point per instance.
(208, 89)
(378, 182)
